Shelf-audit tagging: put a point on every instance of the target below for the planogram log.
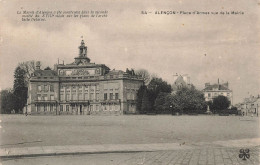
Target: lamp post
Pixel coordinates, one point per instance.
(171, 109)
(246, 109)
(257, 110)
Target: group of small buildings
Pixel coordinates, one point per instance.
(210, 91)
(250, 106)
(180, 81)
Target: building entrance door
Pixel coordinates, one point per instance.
(80, 109)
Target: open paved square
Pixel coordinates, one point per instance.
(30, 131)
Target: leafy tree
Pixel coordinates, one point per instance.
(144, 74)
(189, 100)
(29, 67)
(146, 104)
(220, 104)
(140, 94)
(7, 101)
(20, 89)
(163, 102)
(156, 86)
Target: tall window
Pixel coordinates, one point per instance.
(74, 96)
(51, 88)
(38, 108)
(105, 96)
(97, 96)
(61, 97)
(67, 108)
(52, 97)
(38, 97)
(45, 88)
(91, 96)
(80, 96)
(86, 96)
(45, 97)
(116, 96)
(73, 88)
(51, 107)
(133, 96)
(128, 96)
(67, 97)
(39, 88)
(45, 107)
(111, 96)
(61, 108)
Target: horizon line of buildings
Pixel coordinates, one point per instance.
(82, 87)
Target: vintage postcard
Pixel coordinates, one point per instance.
(129, 82)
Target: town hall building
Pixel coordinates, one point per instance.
(82, 88)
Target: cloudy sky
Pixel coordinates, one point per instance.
(206, 47)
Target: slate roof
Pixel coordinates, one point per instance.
(214, 86)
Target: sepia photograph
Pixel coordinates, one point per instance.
(113, 82)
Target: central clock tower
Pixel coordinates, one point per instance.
(82, 58)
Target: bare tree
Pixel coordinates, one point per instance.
(144, 74)
(29, 67)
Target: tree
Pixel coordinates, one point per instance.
(189, 100)
(7, 101)
(20, 89)
(163, 102)
(220, 103)
(146, 104)
(144, 74)
(140, 94)
(29, 67)
(156, 86)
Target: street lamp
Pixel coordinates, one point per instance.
(257, 110)
(171, 109)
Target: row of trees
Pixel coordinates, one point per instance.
(157, 97)
(14, 100)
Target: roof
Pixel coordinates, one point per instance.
(179, 82)
(115, 72)
(214, 86)
(45, 73)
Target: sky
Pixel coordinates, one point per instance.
(206, 47)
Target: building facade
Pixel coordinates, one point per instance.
(249, 106)
(215, 90)
(180, 81)
(82, 88)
